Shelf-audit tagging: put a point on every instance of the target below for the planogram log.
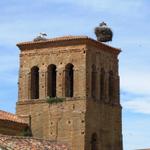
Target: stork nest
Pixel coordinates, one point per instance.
(103, 33)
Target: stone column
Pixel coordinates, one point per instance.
(59, 82)
(76, 82)
(106, 93)
(117, 90)
(23, 86)
(63, 82)
(42, 83)
(20, 84)
(98, 85)
(98, 76)
(83, 82)
(27, 88)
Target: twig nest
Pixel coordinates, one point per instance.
(103, 33)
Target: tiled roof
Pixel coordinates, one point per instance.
(25, 143)
(10, 117)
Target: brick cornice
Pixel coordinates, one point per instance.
(66, 41)
(36, 101)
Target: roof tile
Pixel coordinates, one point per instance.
(26, 143)
(10, 117)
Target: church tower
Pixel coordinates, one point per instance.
(69, 86)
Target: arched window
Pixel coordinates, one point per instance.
(111, 86)
(102, 84)
(51, 81)
(93, 82)
(69, 75)
(34, 82)
(94, 142)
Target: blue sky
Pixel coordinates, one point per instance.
(130, 22)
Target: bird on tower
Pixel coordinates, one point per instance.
(41, 37)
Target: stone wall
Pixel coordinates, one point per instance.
(75, 120)
(103, 116)
(60, 56)
(63, 122)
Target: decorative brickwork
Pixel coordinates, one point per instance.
(88, 118)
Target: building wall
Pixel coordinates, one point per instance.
(76, 119)
(60, 56)
(65, 121)
(103, 116)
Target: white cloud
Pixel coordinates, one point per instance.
(135, 81)
(140, 105)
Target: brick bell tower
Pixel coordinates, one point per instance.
(83, 73)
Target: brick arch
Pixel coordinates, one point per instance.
(111, 86)
(69, 80)
(34, 82)
(51, 80)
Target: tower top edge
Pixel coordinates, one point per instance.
(59, 40)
